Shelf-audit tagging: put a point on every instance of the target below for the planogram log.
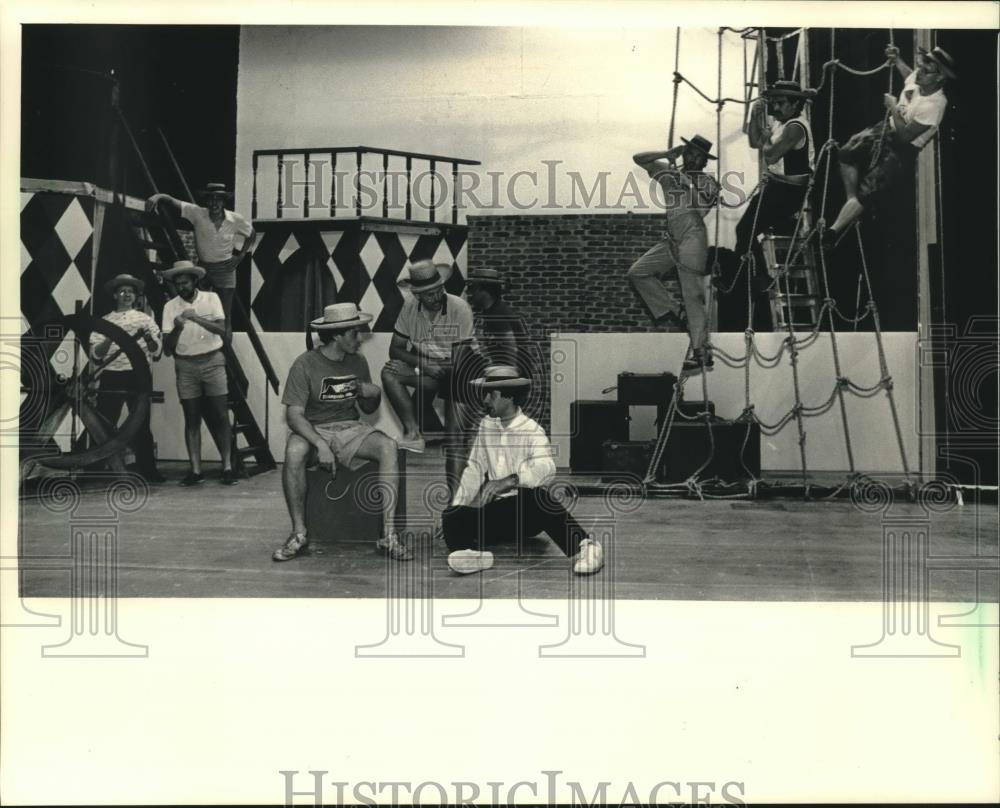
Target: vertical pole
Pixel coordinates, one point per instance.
(433, 176)
(333, 185)
(454, 193)
(305, 203)
(926, 228)
(253, 188)
(385, 186)
(409, 180)
(281, 167)
(357, 185)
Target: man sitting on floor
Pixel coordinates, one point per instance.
(324, 392)
(501, 494)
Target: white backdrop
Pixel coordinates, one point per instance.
(509, 97)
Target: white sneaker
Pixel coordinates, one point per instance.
(590, 559)
(466, 561)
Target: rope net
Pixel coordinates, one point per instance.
(802, 238)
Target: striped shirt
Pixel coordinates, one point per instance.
(432, 339)
(130, 322)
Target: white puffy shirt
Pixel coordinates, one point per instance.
(925, 109)
(521, 448)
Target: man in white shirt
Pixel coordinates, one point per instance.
(216, 231)
(502, 494)
(911, 123)
(193, 325)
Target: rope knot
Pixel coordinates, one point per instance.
(887, 383)
(677, 77)
(829, 301)
(843, 381)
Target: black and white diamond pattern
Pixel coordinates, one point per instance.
(358, 265)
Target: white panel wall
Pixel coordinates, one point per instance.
(589, 363)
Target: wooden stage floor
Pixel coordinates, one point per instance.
(214, 541)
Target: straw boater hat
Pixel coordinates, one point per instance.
(491, 277)
(124, 280)
(183, 268)
(339, 316)
(788, 89)
(942, 59)
(701, 143)
(215, 189)
(425, 275)
(501, 376)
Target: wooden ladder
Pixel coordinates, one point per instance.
(795, 296)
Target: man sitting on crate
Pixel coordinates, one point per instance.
(325, 390)
(502, 494)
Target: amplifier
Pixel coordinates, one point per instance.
(591, 423)
(689, 446)
(645, 388)
(625, 459)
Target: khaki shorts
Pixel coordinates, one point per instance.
(202, 375)
(344, 439)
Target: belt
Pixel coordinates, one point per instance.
(197, 356)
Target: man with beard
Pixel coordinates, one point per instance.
(786, 145)
(193, 326)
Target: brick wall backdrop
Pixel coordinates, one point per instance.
(567, 273)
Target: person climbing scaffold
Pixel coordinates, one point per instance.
(878, 157)
(786, 145)
(689, 194)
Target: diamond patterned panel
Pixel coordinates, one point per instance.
(69, 290)
(364, 265)
(74, 228)
(371, 255)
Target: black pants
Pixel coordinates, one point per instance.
(777, 207)
(120, 387)
(531, 512)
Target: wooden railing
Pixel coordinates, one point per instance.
(317, 158)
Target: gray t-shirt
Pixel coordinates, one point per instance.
(328, 390)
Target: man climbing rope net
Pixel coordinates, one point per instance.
(876, 158)
(689, 194)
(785, 143)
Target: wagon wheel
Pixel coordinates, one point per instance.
(50, 396)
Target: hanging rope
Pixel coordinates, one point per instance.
(793, 344)
(677, 81)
